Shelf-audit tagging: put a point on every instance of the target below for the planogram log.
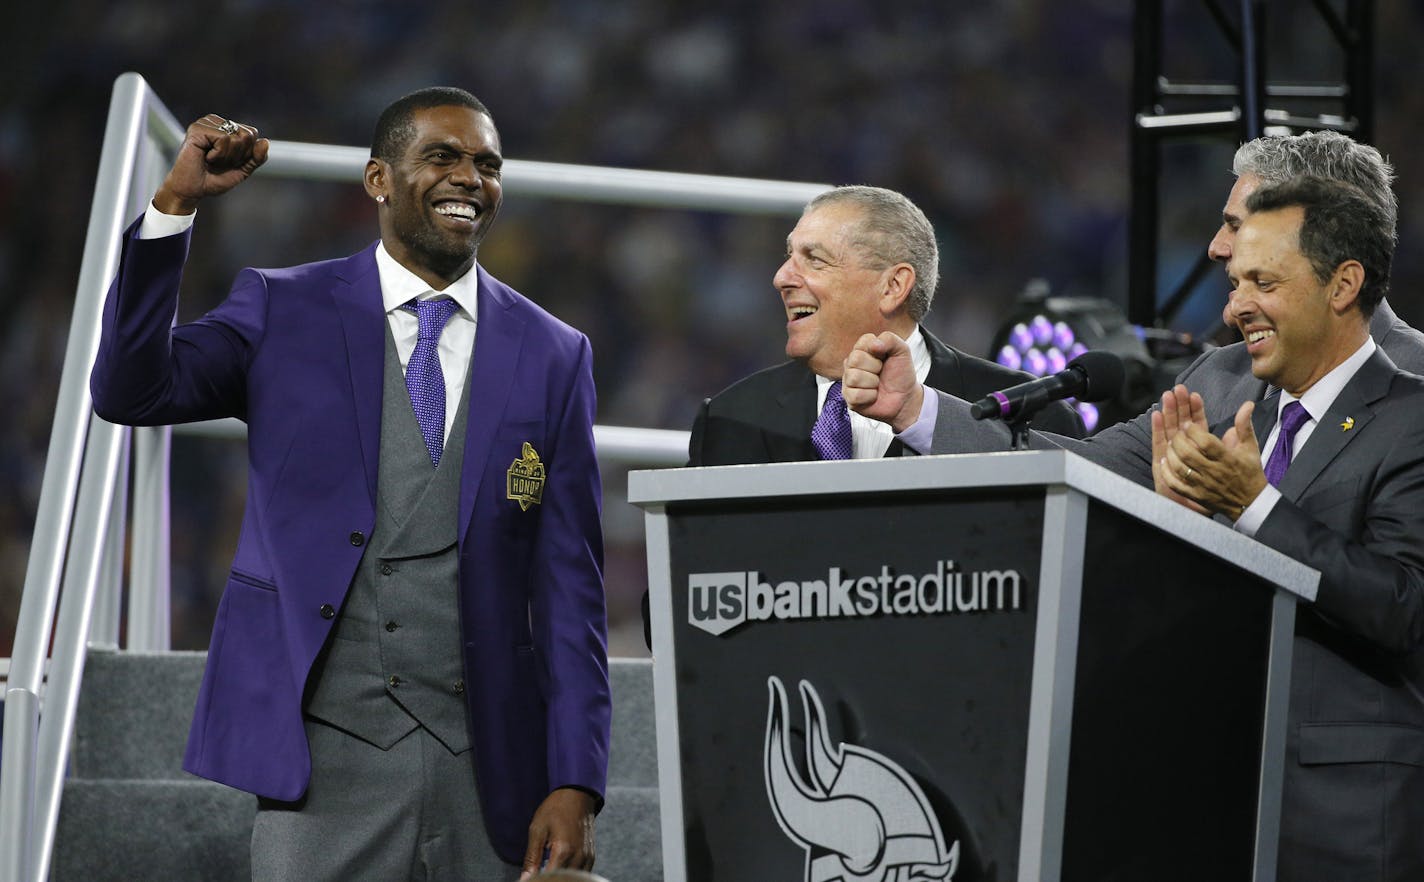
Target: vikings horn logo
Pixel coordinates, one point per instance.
(861, 818)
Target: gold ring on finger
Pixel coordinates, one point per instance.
(1187, 475)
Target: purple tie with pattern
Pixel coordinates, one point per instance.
(831, 434)
(424, 378)
(1293, 416)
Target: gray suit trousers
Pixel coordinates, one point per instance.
(411, 812)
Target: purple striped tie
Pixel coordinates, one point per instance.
(1293, 416)
(424, 378)
(831, 434)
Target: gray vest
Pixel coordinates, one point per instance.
(394, 658)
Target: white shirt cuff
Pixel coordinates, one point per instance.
(156, 224)
(1255, 514)
(919, 436)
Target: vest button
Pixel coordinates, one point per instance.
(394, 681)
(386, 569)
(358, 538)
(459, 687)
(391, 626)
(328, 611)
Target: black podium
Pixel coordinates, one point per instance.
(1012, 666)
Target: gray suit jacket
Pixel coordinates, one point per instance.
(1352, 507)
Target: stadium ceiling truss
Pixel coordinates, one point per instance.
(1247, 105)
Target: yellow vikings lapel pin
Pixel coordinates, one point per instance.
(526, 479)
(1348, 424)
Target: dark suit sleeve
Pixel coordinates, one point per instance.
(147, 372)
(1124, 448)
(699, 433)
(1120, 448)
(1060, 419)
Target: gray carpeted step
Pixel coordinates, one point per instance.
(633, 753)
(134, 711)
(185, 831)
(135, 708)
(628, 838)
(129, 812)
(197, 831)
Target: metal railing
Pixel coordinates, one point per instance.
(75, 571)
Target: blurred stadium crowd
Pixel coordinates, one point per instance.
(1007, 122)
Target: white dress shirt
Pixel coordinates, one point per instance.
(871, 438)
(398, 286)
(1316, 401)
(457, 343)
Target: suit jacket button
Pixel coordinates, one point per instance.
(459, 687)
(358, 538)
(394, 681)
(386, 569)
(328, 611)
(391, 626)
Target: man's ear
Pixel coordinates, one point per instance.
(375, 177)
(1345, 288)
(899, 282)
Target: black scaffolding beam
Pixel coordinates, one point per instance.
(1247, 103)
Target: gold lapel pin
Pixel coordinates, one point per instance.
(525, 479)
(1348, 424)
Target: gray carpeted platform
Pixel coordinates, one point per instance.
(130, 812)
(193, 831)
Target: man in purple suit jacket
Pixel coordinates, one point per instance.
(297, 353)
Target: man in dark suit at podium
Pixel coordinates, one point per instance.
(1338, 484)
(861, 260)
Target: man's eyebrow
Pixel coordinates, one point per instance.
(452, 147)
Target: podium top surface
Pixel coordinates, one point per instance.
(653, 489)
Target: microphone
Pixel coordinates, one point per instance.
(1092, 376)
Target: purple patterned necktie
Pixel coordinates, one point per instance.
(831, 434)
(424, 378)
(1293, 416)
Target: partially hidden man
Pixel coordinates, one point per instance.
(409, 663)
(1223, 375)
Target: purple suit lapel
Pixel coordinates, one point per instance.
(356, 292)
(499, 337)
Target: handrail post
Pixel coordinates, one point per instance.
(150, 628)
(71, 633)
(22, 722)
(104, 632)
(150, 587)
(59, 486)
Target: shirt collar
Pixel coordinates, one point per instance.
(919, 357)
(400, 286)
(1318, 398)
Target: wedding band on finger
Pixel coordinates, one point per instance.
(1187, 475)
